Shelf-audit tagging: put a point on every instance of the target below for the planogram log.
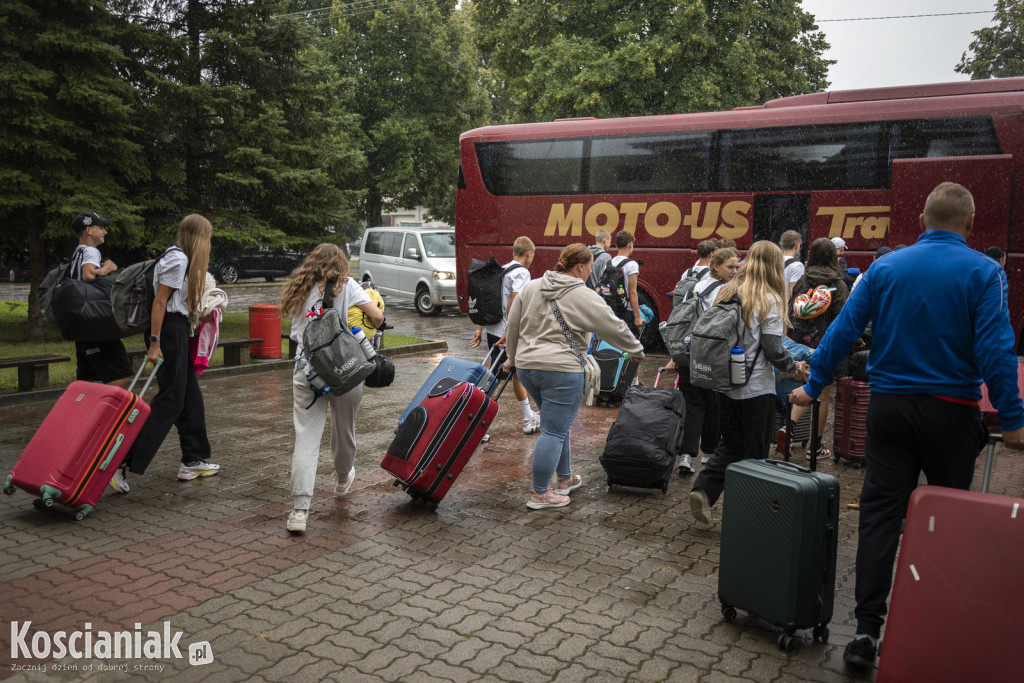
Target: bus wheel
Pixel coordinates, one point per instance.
(651, 337)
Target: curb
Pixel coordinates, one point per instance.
(17, 398)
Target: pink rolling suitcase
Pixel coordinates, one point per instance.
(957, 598)
(81, 443)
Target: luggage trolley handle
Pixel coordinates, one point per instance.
(494, 370)
(814, 441)
(990, 453)
(149, 380)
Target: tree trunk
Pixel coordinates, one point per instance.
(374, 208)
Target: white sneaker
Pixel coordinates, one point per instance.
(197, 468)
(342, 487)
(704, 459)
(685, 466)
(297, 521)
(700, 506)
(119, 483)
(532, 425)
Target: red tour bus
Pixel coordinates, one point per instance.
(857, 164)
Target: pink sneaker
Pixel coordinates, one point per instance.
(548, 499)
(563, 486)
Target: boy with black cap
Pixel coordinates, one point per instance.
(105, 361)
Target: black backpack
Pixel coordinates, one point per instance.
(614, 289)
(483, 286)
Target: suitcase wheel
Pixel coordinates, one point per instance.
(729, 612)
(787, 643)
(821, 633)
(78, 516)
(9, 490)
(41, 503)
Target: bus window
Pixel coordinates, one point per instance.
(672, 162)
(949, 137)
(531, 167)
(827, 157)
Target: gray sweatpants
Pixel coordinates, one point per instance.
(309, 430)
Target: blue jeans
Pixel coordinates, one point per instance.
(558, 396)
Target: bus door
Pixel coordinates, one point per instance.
(774, 214)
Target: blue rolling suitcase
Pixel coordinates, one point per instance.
(456, 368)
(617, 372)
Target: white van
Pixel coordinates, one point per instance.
(411, 262)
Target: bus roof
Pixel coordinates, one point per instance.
(993, 96)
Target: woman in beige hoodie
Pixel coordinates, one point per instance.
(548, 356)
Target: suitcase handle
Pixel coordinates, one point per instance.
(789, 466)
(990, 452)
(159, 362)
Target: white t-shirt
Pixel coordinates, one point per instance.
(349, 294)
(794, 271)
(512, 283)
(632, 268)
(170, 270)
(82, 255)
(762, 377)
(706, 292)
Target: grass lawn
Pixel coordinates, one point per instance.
(14, 328)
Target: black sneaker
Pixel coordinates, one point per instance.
(860, 653)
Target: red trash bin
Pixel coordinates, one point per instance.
(265, 323)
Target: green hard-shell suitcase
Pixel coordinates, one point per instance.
(778, 556)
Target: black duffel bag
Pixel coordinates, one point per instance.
(83, 310)
(642, 444)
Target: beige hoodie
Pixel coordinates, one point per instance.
(534, 337)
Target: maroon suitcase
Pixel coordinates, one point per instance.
(438, 437)
(957, 598)
(850, 427)
(81, 443)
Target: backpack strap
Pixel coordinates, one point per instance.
(790, 261)
(327, 300)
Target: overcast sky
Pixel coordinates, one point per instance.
(897, 51)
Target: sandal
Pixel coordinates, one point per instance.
(823, 453)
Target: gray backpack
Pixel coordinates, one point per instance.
(684, 287)
(678, 329)
(717, 331)
(332, 350)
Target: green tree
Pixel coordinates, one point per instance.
(415, 89)
(245, 120)
(997, 51)
(66, 138)
(634, 57)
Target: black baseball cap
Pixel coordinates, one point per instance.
(84, 220)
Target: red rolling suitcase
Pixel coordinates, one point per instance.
(438, 437)
(81, 443)
(957, 599)
(851, 420)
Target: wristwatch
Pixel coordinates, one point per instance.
(153, 338)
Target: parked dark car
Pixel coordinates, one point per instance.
(254, 261)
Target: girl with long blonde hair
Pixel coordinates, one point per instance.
(325, 266)
(179, 278)
(746, 412)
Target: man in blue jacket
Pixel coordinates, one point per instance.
(932, 345)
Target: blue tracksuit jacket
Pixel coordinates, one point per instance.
(941, 326)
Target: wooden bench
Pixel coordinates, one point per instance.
(236, 351)
(33, 371)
